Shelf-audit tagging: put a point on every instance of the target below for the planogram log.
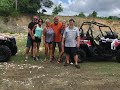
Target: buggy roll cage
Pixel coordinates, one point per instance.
(97, 24)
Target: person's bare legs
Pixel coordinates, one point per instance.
(76, 61)
(60, 56)
(34, 49)
(46, 50)
(38, 45)
(31, 51)
(59, 46)
(61, 51)
(27, 52)
(53, 50)
(50, 51)
(67, 60)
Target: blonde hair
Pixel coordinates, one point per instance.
(47, 20)
(64, 21)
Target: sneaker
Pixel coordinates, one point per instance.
(66, 64)
(34, 58)
(59, 60)
(37, 58)
(77, 66)
(71, 63)
(45, 59)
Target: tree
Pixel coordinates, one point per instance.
(57, 9)
(31, 6)
(94, 14)
(27, 6)
(6, 7)
(81, 14)
(48, 3)
(113, 17)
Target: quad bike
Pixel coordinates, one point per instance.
(98, 41)
(7, 47)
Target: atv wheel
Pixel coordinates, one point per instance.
(14, 50)
(5, 53)
(118, 56)
(81, 56)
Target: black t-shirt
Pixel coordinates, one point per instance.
(30, 26)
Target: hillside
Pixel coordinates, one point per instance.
(19, 25)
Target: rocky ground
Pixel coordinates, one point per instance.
(42, 75)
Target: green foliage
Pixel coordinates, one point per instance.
(15, 13)
(113, 18)
(31, 6)
(81, 14)
(94, 14)
(48, 3)
(57, 9)
(28, 6)
(6, 7)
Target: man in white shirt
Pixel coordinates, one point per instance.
(71, 41)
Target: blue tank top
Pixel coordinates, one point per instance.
(38, 32)
(49, 35)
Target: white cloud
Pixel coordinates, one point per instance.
(103, 8)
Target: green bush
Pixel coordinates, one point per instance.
(15, 13)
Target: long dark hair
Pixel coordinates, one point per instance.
(40, 19)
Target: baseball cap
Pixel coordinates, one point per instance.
(72, 20)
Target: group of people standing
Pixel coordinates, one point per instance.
(66, 37)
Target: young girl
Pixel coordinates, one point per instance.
(36, 36)
(48, 36)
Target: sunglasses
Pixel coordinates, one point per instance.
(35, 19)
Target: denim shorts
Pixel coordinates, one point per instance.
(29, 42)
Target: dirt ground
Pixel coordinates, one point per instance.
(42, 75)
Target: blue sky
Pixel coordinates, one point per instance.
(65, 1)
(74, 7)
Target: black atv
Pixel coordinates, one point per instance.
(98, 41)
(7, 47)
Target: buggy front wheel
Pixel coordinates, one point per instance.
(5, 53)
